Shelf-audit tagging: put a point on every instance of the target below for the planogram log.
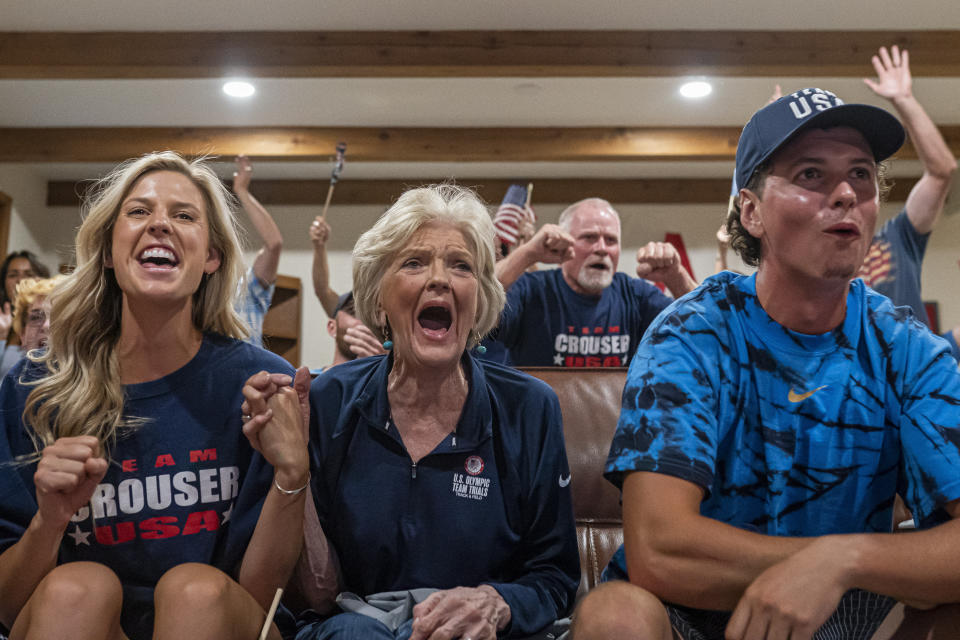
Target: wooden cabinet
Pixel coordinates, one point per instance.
(281, 326)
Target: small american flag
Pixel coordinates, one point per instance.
(512, 213)
(876, 268)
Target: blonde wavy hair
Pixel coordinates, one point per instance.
(444, 203)
(27, 292)
(81, 393)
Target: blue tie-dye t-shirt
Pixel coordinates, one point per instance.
(793, 434)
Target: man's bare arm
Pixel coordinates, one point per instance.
(266, 263)
(550, 244)
(685, 558)
(320, 272)
(660, 262)
(894, 82)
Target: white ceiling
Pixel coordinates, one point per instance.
(455, 102)
(418, 102)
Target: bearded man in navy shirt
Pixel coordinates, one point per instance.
(584, 314)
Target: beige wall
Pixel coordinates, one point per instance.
(34, 226)
(50, 232)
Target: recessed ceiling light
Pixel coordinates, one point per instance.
(696, 89)
(238, 89)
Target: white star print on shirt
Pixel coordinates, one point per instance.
(79, 537)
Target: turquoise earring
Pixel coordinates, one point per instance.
(388, 343)
(480, 348)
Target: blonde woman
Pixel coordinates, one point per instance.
(148, 509)
(17, 266)
(31, 318)
(434, 469)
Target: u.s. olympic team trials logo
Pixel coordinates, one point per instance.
(474, 465)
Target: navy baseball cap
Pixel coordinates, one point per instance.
(342, 301)
(777, 123)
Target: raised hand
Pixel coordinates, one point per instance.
(550, 245)
(243, 174)
(258, 389)
(776, 95)
(67, 474)
(658, 261)
(463, 612)
(319, 232)
(279, 415)
(893, 74)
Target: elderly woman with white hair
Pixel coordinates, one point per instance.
(432, 469)
(139, 505)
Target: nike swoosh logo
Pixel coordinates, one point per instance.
(793, 396)
(565, 481)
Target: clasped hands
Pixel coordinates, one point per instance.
(277, 423)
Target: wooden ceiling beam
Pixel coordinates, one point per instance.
(389, 144)
(367, 144)
(549, 191)
(389, 54)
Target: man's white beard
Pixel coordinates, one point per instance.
(595, 280)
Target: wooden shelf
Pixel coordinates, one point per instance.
(281, 325)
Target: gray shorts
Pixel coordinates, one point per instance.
(858, 616)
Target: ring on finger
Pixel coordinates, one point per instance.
(245, 417)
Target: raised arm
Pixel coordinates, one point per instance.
(319, 234)
(268, 258)
(894, 82)
(660, 262)
(550, 244)
(723, 245)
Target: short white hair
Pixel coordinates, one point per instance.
(444, 203)
(566, 217)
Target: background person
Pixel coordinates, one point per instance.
(433, 469)
(354, 340)
(584, 314)
(320, 269)
(142, 507)
(895, 259)
(17, 266)
(32, 318)
(260, 280)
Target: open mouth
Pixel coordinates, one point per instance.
(844, 231)
(159, 256)
(599, 266)
(435, 318)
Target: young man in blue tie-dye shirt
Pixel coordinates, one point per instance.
(769, 420)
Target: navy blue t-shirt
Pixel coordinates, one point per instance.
(489, 505)
(546, 323)
(893, 264)
(184, 487)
